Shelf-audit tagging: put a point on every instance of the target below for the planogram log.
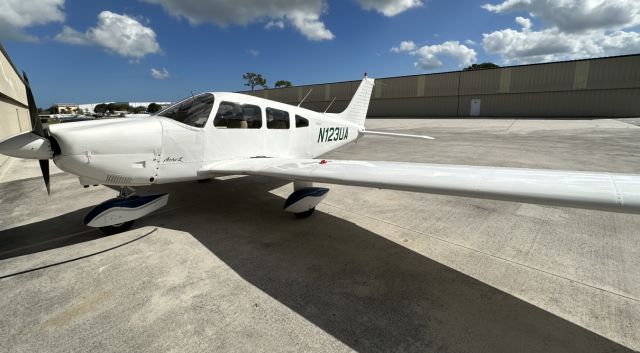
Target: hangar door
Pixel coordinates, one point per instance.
(474, 110)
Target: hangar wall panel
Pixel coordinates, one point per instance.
(542, 78)
(10, 83)
(480, 82)
(14, 117)
(399, 87)
(594, 103)
(441, 84)
(585, 88)
(614, 73)
(14, 120)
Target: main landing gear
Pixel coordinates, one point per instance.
(304, 199)
(117, 215)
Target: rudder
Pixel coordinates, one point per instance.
(356, 111)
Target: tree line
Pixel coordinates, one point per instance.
(254, 80)
(104, 108)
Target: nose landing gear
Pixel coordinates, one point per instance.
(117, 215)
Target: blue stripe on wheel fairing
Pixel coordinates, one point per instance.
(133, 202)
(302, 193)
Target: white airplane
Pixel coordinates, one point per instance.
(230, 134)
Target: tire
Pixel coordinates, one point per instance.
(304, 214)
(118, 228)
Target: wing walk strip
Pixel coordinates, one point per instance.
(484, 253)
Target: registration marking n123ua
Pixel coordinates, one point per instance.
(329, 134)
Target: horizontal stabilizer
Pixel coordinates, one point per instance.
(393, 134)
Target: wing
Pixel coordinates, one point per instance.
(590, 190)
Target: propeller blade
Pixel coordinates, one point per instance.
(37, 129)
(44, 167)
(36, 123)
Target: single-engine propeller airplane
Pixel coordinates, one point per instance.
(229, 134)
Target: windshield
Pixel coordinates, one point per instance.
(193, 111)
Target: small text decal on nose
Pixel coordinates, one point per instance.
(173, 160)
(329, 134)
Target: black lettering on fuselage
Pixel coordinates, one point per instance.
(330, 134)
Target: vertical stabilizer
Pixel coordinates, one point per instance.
(356, 112)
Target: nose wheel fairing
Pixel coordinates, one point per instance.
(118, 211)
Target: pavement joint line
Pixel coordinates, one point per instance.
(4, 168)
(510, 126)
(488, 254)
(47, 241)
(78, 258)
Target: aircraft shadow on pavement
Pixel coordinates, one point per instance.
(366, 291)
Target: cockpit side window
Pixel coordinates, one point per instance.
(277, 119)
(238, 116)
(301, 122)
(193, 111)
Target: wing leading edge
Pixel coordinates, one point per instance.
(589, 190)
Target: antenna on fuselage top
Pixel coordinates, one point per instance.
(305, 97)
(329, 106)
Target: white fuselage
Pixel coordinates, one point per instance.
(157, 149)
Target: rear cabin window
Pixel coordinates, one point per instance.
(301, 122)
(277, 119)
(194, 111)
(238, 116)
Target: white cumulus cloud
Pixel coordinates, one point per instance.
(576, 15)
(310, 26)
(526, 46)
(17, 15)
(524, 22)
(404, 46)
(274, 24)
(120, 34)
(430, 56)
(160, 74)
(570, 29)
(304, 15)
(390, 7)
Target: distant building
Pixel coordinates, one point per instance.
(598, 87)
(146, 104)
(89, 108)
(65, 108)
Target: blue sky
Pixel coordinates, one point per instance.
(156, 50)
